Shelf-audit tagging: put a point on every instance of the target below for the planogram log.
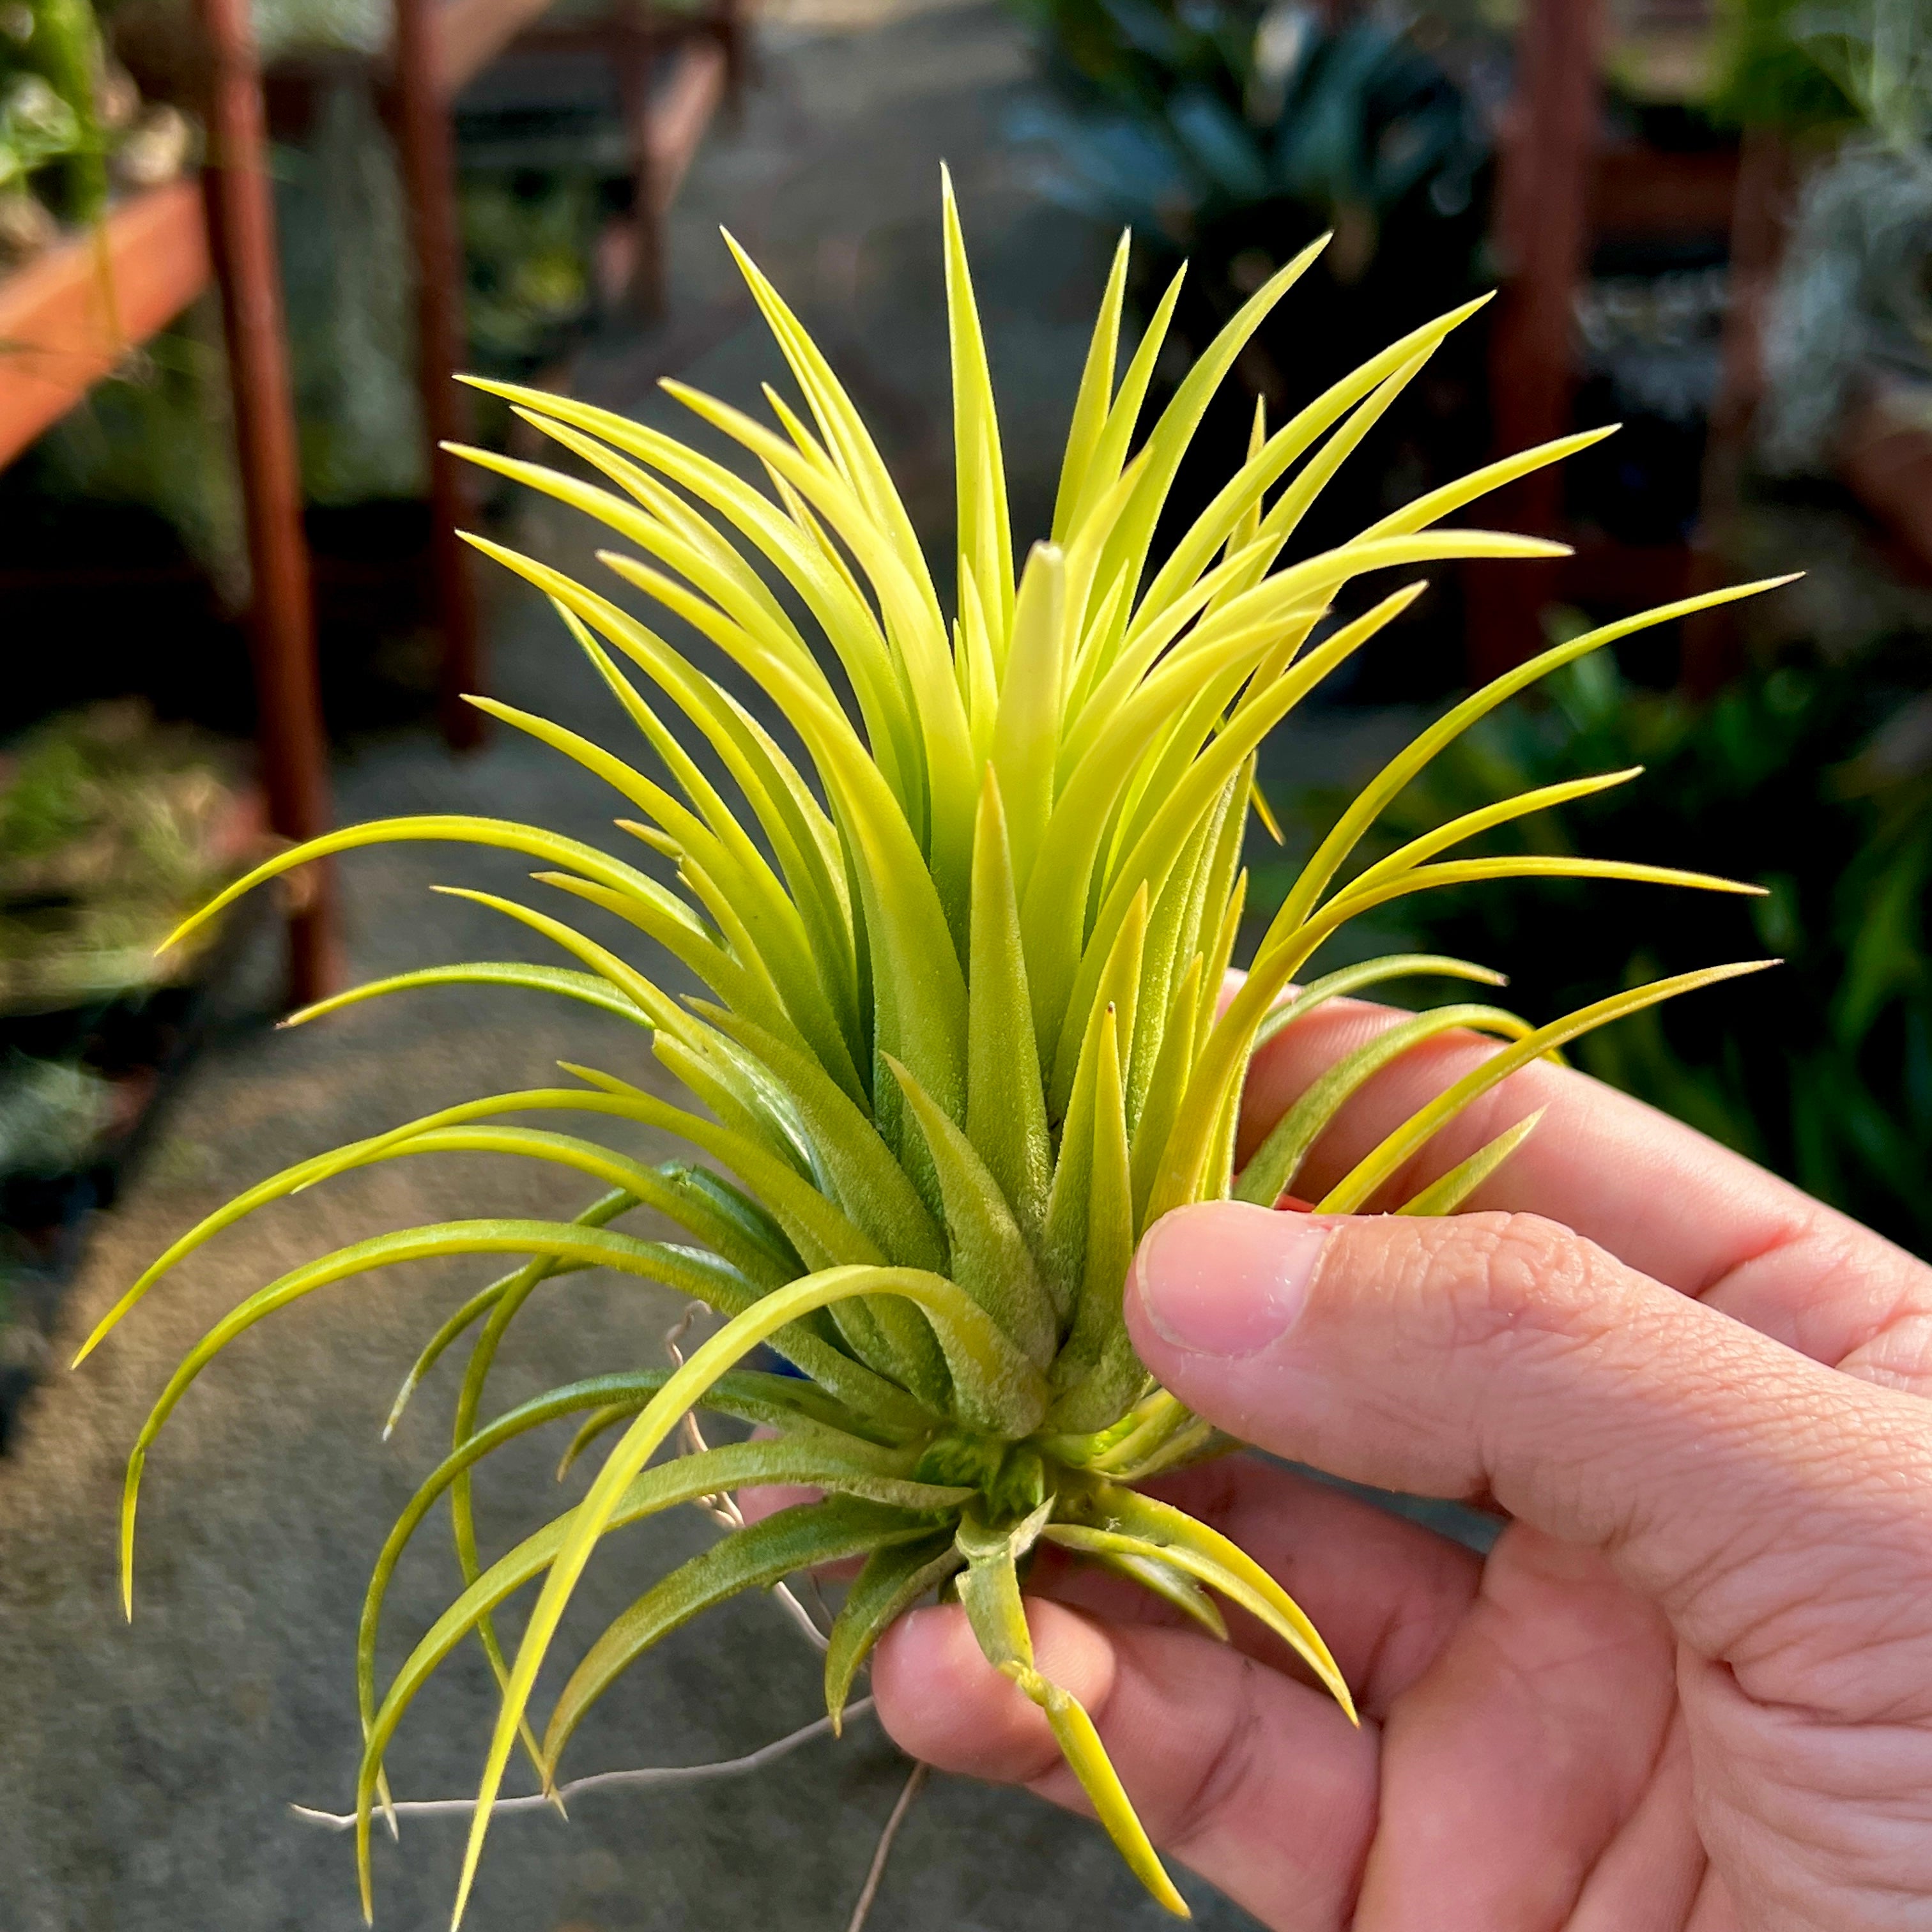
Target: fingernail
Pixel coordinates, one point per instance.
(1227, 1278)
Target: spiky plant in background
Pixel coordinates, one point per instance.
(965, 1043)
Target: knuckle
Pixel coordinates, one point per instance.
(1497, 1276)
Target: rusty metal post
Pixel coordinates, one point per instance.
(632, 54)
(426, 146)
(1542, 203)
(1767, 186)
(241, 220)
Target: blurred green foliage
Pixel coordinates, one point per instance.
(1814, 781)
(1768, 77)
(1803, 67)
(52, 1114)
(111, 827)
(51, 67)
(528, 243)
(36, 125)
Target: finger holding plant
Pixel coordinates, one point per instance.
(959, 1046)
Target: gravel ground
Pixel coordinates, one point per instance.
(146, 1774)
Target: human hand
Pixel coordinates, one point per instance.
(1690, 1687)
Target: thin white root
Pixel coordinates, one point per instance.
(723, 1508)
(650, 1775)
(788, 1601)
(862, 1910)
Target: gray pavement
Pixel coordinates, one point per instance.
(145, 1772)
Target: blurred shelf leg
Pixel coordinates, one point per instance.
(427, 147)
(242, 222)
(1767, 185)
(1542, 203)
(634, 57)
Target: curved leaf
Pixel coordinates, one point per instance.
(1369, 803)
(1145, 1563)
(683, 1480)
(454, 828)
(1471, 824)
(871, 1186)
(1350, 980)
(685, 1270)
(1381, 1161)
(1271, 1170)
(753, 1558)
(997, 1390)
(587, 987)
(893, 1579)
(601, 1212)
(1207, 1555)
(990, 1591)
(1446, 1194)
(774, 1401)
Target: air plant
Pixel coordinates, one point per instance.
(966, 1038)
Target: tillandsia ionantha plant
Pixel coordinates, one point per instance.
(966, 1037)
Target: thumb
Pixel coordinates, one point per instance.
(1726, 1476)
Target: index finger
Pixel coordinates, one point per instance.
(1664, 1198)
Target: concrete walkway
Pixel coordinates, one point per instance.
(146, 1774)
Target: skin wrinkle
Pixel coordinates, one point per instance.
(1768, 1243)
(1519, 1260)
(1711, 1910)
(1622, 1814)
(1718, 1596)
(1757, 1641)
(1845, 1311)
(1909, 1340)
(1225, 1770)
(1772, 1839)
(1508, 1664)
(1824, 1744)
(1723, 1555)
(1534, 1588)
(1388, 1661)
(1566, 1663)
(1794, 1655)
(1644, 1819)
